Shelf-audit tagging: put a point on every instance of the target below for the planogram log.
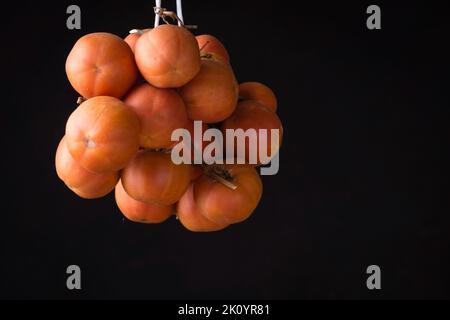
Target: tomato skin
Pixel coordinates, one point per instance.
(260, 93)
(197, 172)
(213, 94)
(85, 184)
(97, 129)
(152, 177)
(160, 112)
(101, 64)
(167, 56)
(250, 114)
(138, 211)
(131, 40)
(223, 205)
(210, 44)
(191, 218)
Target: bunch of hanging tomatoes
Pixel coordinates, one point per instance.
(136, 91)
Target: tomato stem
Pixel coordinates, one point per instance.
(80, 100)
(221, 175)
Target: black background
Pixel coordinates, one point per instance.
(362, 171)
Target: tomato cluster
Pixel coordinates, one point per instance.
(136, 92)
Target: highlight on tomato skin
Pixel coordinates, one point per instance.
(153, 178)
(97, 129)
(160, 112)
(190, 217)
(166, 63)
(260, 93)
(84, 183)
(138, 211)
(101, 64)
(223, 205)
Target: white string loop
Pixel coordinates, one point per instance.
(180, 13)
(157, 5)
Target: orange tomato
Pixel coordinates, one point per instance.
(84, 183)
(167, 56)
(160, 112)
(102, 134)
(260, 93)
(213, 94)
(223, 205)
(101, 64)
(138, 211)
(153, 178)
(190, 217)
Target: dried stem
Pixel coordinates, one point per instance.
(221, 175)
(163, 13)
(225, 182)
(80, 100)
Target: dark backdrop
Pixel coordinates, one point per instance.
(362, 170)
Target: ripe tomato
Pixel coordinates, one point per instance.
(213, 94)
(210, 44)
(138, 211)
(84, 183)
(168, 56)
(102, 134)
(160, 112)
(250, 114)
(258, 92)
(101, 64)
(223, 205)
(190, 217)
(153, 178)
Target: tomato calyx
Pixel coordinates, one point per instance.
(206, 56)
